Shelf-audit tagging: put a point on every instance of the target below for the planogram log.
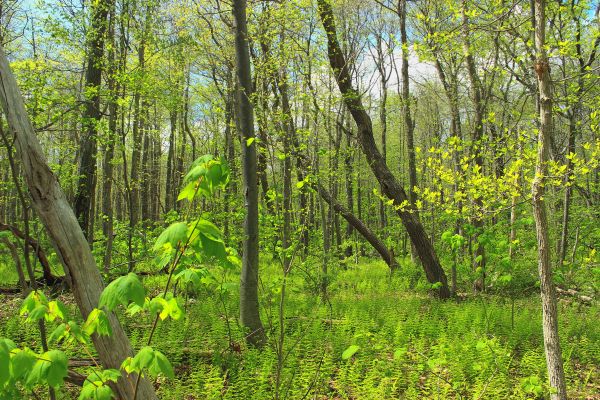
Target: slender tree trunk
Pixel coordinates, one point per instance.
(349, 192)
(230, 190)
(145, 199)
(17, 261)
(170, 177)
(249, 307)
(382, 115)
(477, 137)
(552, 347)
(409, 124)
(109, 151)
(88, 148)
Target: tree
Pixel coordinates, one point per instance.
(552, 347)
(249, 307)
(88, 148)
(390, 185)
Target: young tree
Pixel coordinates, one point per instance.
(552, 348)
(249, 307)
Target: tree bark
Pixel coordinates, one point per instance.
(408, 121)
(249, 306)
(552, 347)
(477, 138)
(59, 219)
(88, 148)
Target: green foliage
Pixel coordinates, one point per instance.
(206, 174)
(96, 386)
(350, 351)
(175, 234)
(122, 291)
(150, 360)
(50, 368)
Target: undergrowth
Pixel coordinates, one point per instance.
(405, 344)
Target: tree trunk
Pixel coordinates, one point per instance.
(390, 185)
(477, 138)
(88, 147)
(408, 121)
(69, 241)
(552, 348)
(249, 307)
(109, 150)
(170, 177)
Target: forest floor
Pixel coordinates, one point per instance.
(371, 338)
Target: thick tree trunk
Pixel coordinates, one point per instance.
(552, 347)
(59, 219)
(88, 147)
(249, 307)
(390, 185)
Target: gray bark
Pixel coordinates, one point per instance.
(249, 307)
(552, 347)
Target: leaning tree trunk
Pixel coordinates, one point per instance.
(390, 185)
(59, 219)
(552, 348)
(249, 307)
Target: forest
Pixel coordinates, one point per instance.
(299, 199)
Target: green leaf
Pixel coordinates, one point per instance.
(188, 192)
(97, 322)
(6, 346)
(190, 275)
(33, 300)
(122, 291)
(152, 360)
(249, 141)
(50, 368)
(58, 333)
(21, 362)
(207, 228)
(350, 351)
(399, 353)
(161, 365)
(56, 309)
(37, 313)
(165, 308)
(96, 392)
(174, 234)
(78, 334)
